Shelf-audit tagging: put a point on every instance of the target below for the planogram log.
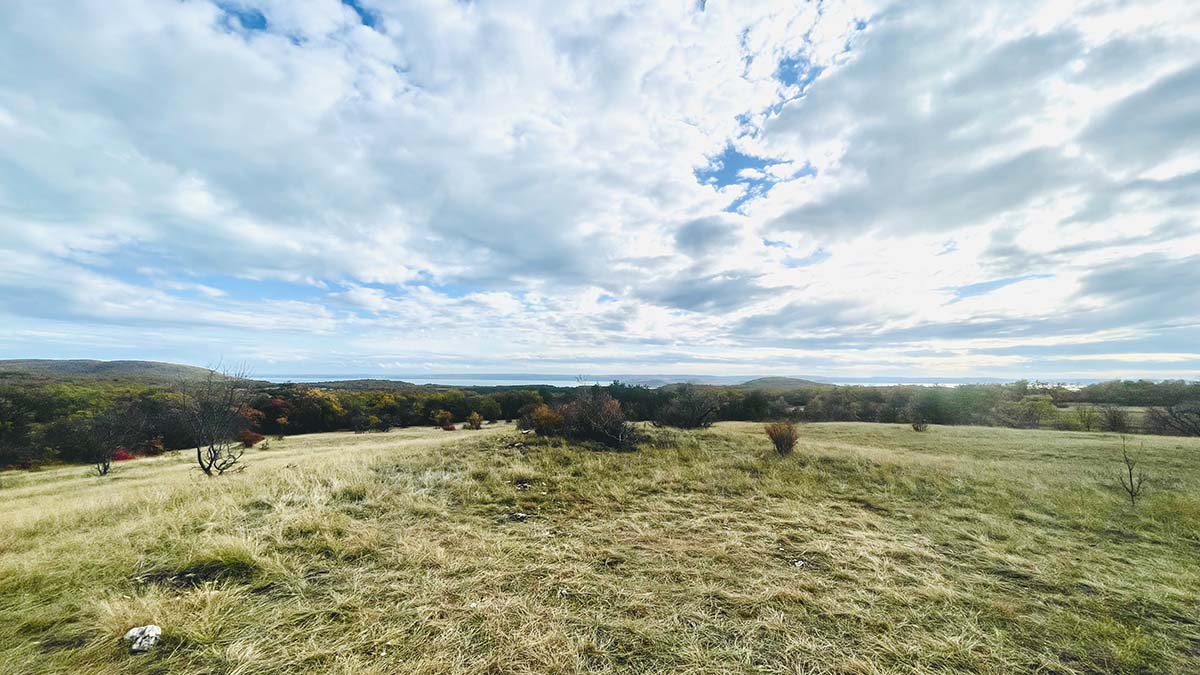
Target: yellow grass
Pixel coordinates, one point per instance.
(872, 549)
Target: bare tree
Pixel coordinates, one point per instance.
(96, 438)
(212, 409)
(1181, 418)
(1114, 418)
(120, 426)
(1132, 482)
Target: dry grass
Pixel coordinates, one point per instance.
(872, 549)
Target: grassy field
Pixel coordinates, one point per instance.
(873, 549)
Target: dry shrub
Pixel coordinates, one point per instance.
(475, 421)
(596, 416)
(783, 435)
(249, 439)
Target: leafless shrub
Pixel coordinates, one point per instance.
(784, 435)
(1132, 481)
(920, 426)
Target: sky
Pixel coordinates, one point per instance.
(1000, 188)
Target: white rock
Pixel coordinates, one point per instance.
(143, 638)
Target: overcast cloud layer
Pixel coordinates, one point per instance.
(999, 188)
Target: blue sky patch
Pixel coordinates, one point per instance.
(985, 287)
(368, 18)
(243, 18)
(797, 71)
(723, 169)
(816, 257)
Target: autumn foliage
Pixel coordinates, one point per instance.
(249, 439)
(444, 419)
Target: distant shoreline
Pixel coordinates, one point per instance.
(536, 380)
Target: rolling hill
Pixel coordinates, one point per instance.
(779, 384)
(87, 369)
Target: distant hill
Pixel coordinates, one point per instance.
(87, 369)
(779, 384)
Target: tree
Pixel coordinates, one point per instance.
(96, 438)
(779, 409)
(1182, 419)
(690, 408)
(1087, 418)
(487, 407)
(16, 420)
(121, 426)
(513, 403)
(212, 409)
(1028, 413)
(475, 421)
(1114, 418)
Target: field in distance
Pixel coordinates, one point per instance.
(872, 549)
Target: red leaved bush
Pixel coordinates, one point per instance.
(121, 455)
(250, 438)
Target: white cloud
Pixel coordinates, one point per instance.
(481, 183)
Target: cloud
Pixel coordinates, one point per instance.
(704, 236)
(1151, 126)
(835, 186)
(705, 293)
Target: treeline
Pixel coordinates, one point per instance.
(47, 422)
(57, 422)
(1171, 408)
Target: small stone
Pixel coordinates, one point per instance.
(143, 638)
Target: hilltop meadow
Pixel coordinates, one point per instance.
(871, 548)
